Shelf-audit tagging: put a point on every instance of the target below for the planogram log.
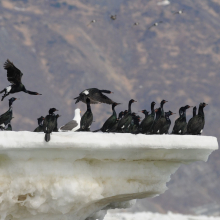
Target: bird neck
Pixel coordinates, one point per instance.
(152, 110)
(201, 112)
(161, 107)
(158, 113)
(88, 106)
(194, 112)
(114, 112)
(182, 113)
(129, 107)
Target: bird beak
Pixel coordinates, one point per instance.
(173, 113)
(134, 101)
(112, 92)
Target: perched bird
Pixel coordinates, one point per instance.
(40, 125)
(95, 95)
(126, 120)
(145, 112)
(147, 122)
(166, 127)
(74, 124)
(155, 24)
(196, 124)
(92, 21)
(180, 126)
(49, 124)
(110, 122)
(56, 128)
(7, 116)
(136, 24)
(14, 76)
(178, 12)
(114, 127)
(113, 17)
(87, 118)
(160, 122)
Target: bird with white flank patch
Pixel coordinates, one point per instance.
(95, 95)
(14, 76)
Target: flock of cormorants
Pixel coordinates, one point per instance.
(126, 122)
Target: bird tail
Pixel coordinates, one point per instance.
(97, 130)
(47, 137)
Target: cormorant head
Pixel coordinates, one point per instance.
(52, 110)
(11, 100)
(163, 101)
(114, 104)
(153, 103)
(40, 120)
(204, 104)
(120, 114)
(187, 106)
(132, 100)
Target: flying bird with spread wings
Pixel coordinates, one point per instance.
(155, 24)
(14, 76)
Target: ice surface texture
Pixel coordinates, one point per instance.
(156, 216)
(76, 175)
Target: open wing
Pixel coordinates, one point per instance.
(99, 97)
(13, 73)
(69, 126)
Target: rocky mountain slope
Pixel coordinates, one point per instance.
(61, 56)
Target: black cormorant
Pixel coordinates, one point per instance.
(155, 24)
(113, 17)
(160, 122)
(14, 76)
(126, 120)
(87, 118)
(40, 125)
(147, 122)
(166, 127)
(95, 96)
(49, 123)
(7, 116)
(180, 126)
(110, 122)
(196, 124)
(114, 128)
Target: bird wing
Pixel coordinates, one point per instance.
(13, 73)
(6, 117)
(196, 124)
(99, 97)
(69, 126)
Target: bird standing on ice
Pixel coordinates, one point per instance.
(50, 123)
(14, 76)
(74, 124)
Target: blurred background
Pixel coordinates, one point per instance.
(179, 61)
